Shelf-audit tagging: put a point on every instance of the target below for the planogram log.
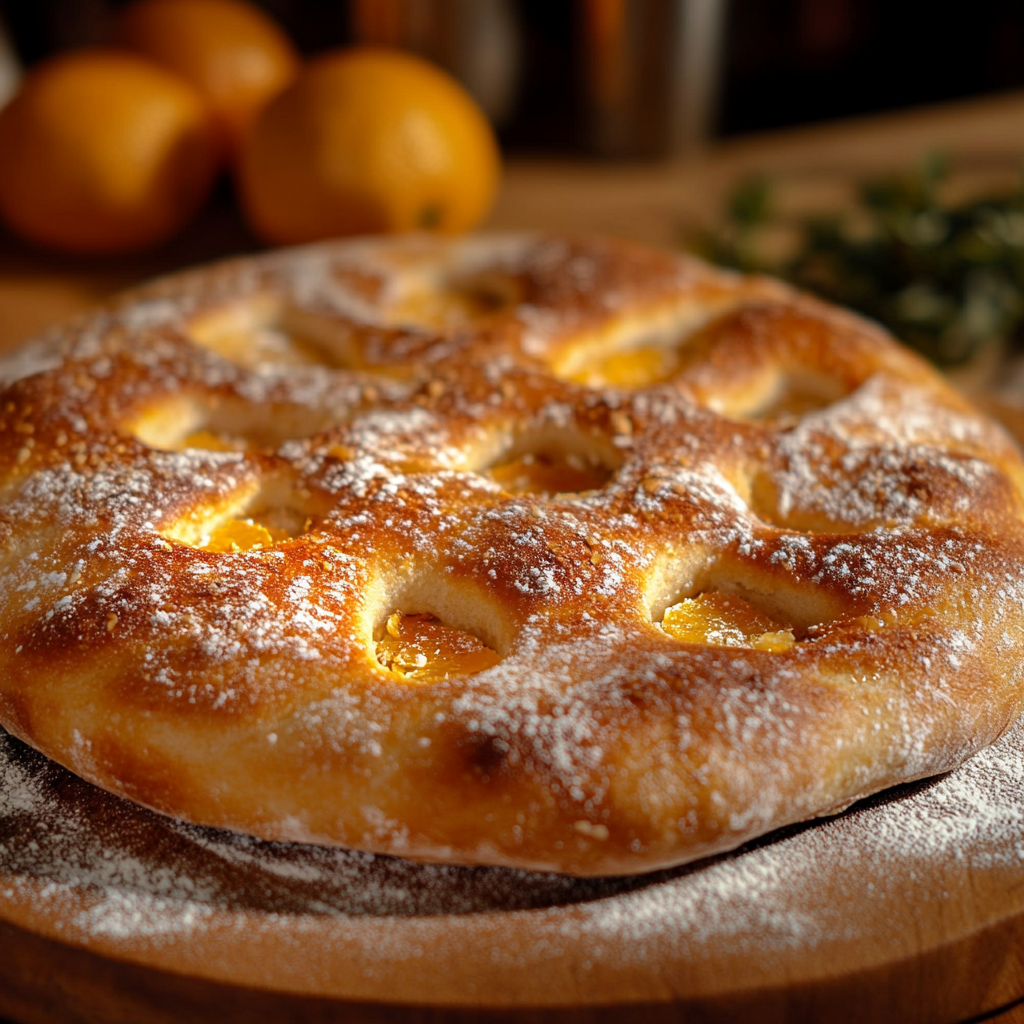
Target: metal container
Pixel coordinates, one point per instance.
(651, 72)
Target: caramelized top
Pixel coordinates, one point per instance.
(556, 553)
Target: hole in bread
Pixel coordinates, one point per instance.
(420, 648)
(217, 424)
(257, 518)
(728, 606)
(455, 301)
(635, 368)
(216, 441)
(264, 332)
(428, 627)
(726, 620)
(546, 473)
(546, 463)
(830, 506)
(766, 503)
(638, 352)
(783, 397)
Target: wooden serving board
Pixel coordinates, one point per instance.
(908, 907)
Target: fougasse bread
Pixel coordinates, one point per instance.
(555, 553)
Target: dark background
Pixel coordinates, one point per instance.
(783, 62)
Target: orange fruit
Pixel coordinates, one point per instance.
(104, 152)
(229, 50)
(368, 140)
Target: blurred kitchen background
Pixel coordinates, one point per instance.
(668, 122)
(636, 78)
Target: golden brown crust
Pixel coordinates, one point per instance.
(792, 455)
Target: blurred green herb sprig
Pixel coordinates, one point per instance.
(946, 279)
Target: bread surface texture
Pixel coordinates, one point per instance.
(554, 553)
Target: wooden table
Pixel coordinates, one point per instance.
(651, 203)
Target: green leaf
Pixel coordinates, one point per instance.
(948, 280)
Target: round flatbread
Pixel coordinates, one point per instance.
(554, 553)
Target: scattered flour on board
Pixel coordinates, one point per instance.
(153, 878)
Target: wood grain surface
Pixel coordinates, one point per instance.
(908, 907)
(846, 919)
